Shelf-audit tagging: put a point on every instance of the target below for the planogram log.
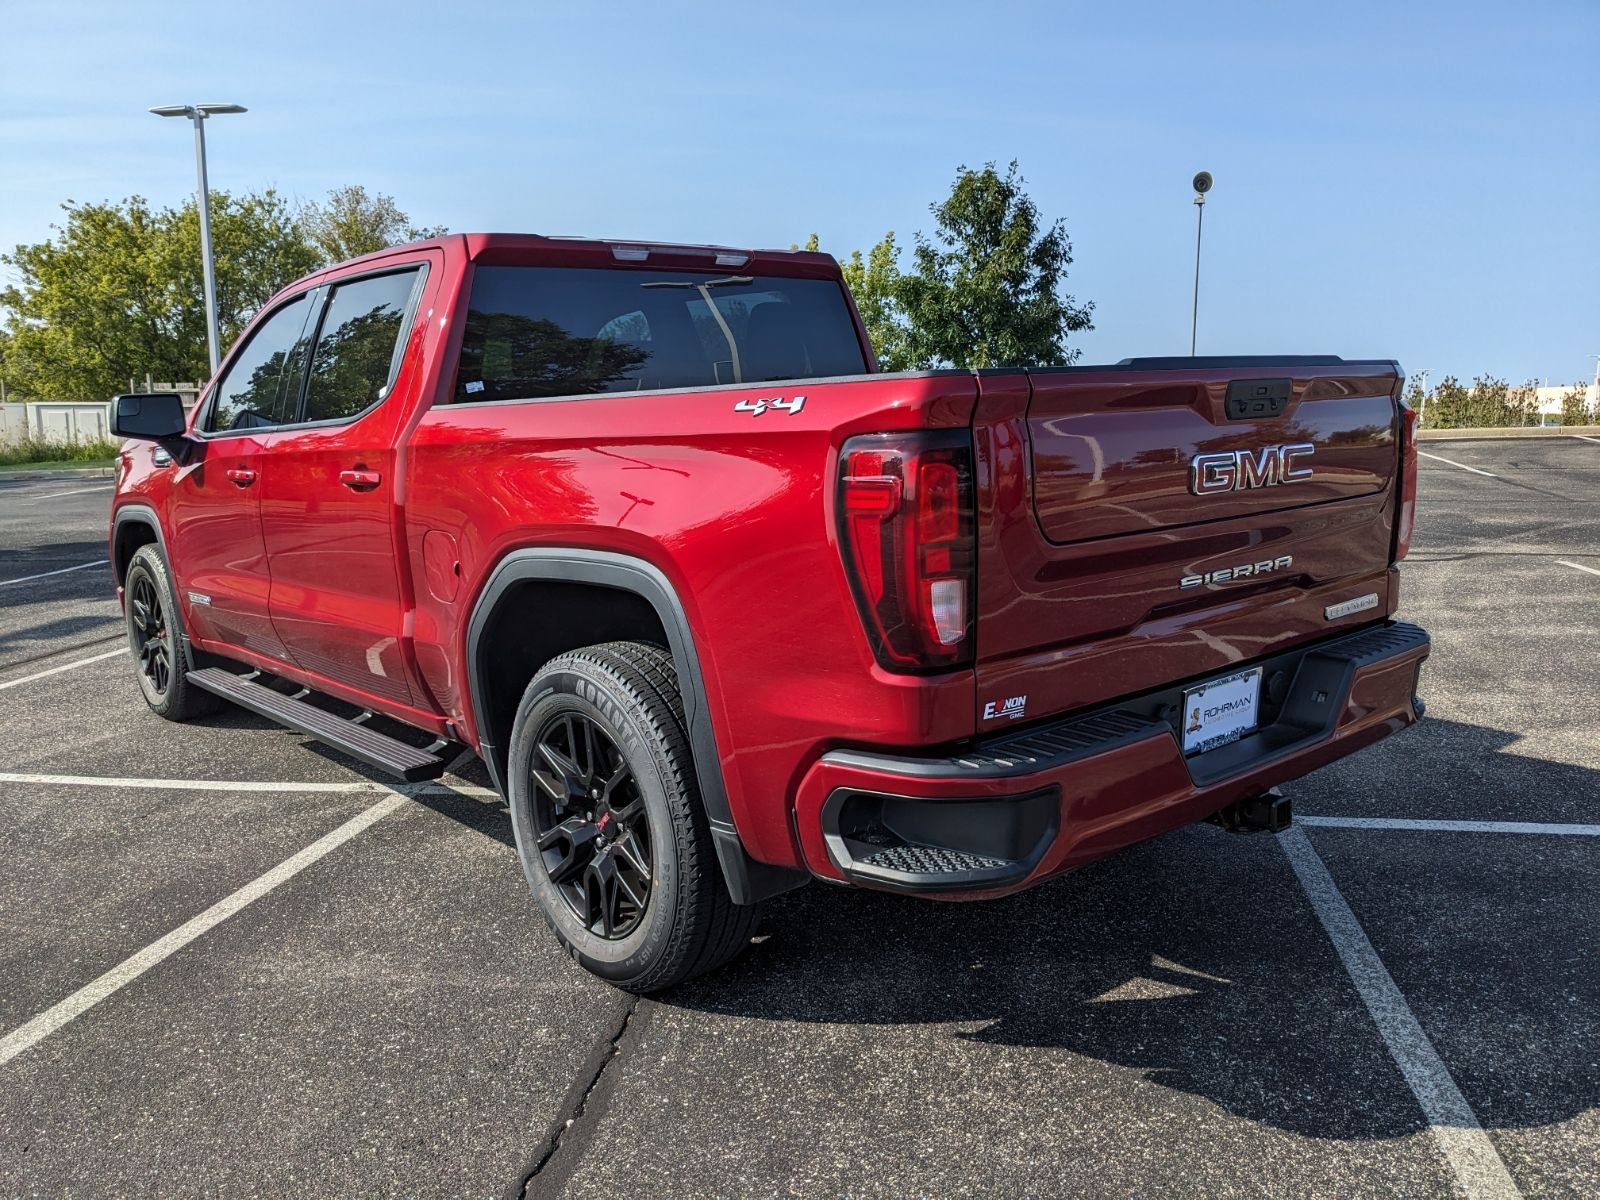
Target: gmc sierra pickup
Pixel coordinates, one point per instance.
(723, 608)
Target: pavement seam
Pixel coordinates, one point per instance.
(546, 1173)
(17, 664)
(64, 667)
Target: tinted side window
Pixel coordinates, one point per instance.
(261, 386)
(564, 331)
(358, 349)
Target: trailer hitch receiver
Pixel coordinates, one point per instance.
(1268, 812)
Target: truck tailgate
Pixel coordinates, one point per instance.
(1159, 521)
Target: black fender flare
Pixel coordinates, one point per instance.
(748, 880)
(138, 514)
(143, 514)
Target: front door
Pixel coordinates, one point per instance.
(328, 494)
(219, 555)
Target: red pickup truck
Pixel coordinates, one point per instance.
(722, 608)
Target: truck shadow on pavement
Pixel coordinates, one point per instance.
(1197, 961)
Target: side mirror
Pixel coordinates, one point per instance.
(152, 416)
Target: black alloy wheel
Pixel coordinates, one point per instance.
(152, 647)
(610, 828)
(590, 825)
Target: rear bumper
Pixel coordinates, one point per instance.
(1019, 808)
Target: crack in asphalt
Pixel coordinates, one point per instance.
(27, 662)
(549, 1169)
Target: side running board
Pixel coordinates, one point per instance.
(410, 763)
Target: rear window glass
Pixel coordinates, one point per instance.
(564, 331)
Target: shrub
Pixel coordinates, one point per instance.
(35, 451)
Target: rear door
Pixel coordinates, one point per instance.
(216, 541)
(1167, 520)
(328, 500)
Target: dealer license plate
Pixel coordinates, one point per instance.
(1221, 711)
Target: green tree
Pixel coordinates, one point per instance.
(986, 288)
(1415, 396)
(1575, 408)
(1489, 403)
(350, 223)
(117, 292)
(1448, 405)
(874, 280)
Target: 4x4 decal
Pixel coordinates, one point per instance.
(757, 407)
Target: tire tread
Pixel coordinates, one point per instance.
(711, 929)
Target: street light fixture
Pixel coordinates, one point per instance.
(198, 114)
(1202, 185)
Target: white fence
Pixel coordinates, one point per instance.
(53, 421)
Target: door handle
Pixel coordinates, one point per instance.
(243, 476)
(360, 481)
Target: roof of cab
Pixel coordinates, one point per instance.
(541, 250)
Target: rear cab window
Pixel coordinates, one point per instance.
(534, 332)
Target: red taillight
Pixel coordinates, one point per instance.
(905, 529)
(1406, 522)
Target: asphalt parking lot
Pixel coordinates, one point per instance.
(301, 980)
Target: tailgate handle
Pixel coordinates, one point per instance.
(1254, 399)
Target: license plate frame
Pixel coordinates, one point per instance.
(1235, 711)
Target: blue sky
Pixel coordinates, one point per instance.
(1409, 180)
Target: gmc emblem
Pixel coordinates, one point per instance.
(1235, 470)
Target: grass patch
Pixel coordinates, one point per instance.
(31, 453)
(67, 465)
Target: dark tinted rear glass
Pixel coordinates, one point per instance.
(563, 331)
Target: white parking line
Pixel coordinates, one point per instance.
(1584, 437)
(125, 972)
(1454, 463)
(99, 562)
(1526, 827)
(358, 787)
(82, 662)
(1478, 1167)
(75, 492)
(1577, 566)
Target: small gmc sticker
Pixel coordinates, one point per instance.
(1012, 708)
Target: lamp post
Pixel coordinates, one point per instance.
(198, 114)
(1202, 185)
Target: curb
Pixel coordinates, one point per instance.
(62, 473)
(1510, 431)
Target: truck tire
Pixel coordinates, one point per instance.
(609, 824)
(155, 637)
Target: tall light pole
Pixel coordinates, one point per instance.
(1202, 185)
(198, 114)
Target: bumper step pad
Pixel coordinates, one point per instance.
(407, 762)
(931, 860)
